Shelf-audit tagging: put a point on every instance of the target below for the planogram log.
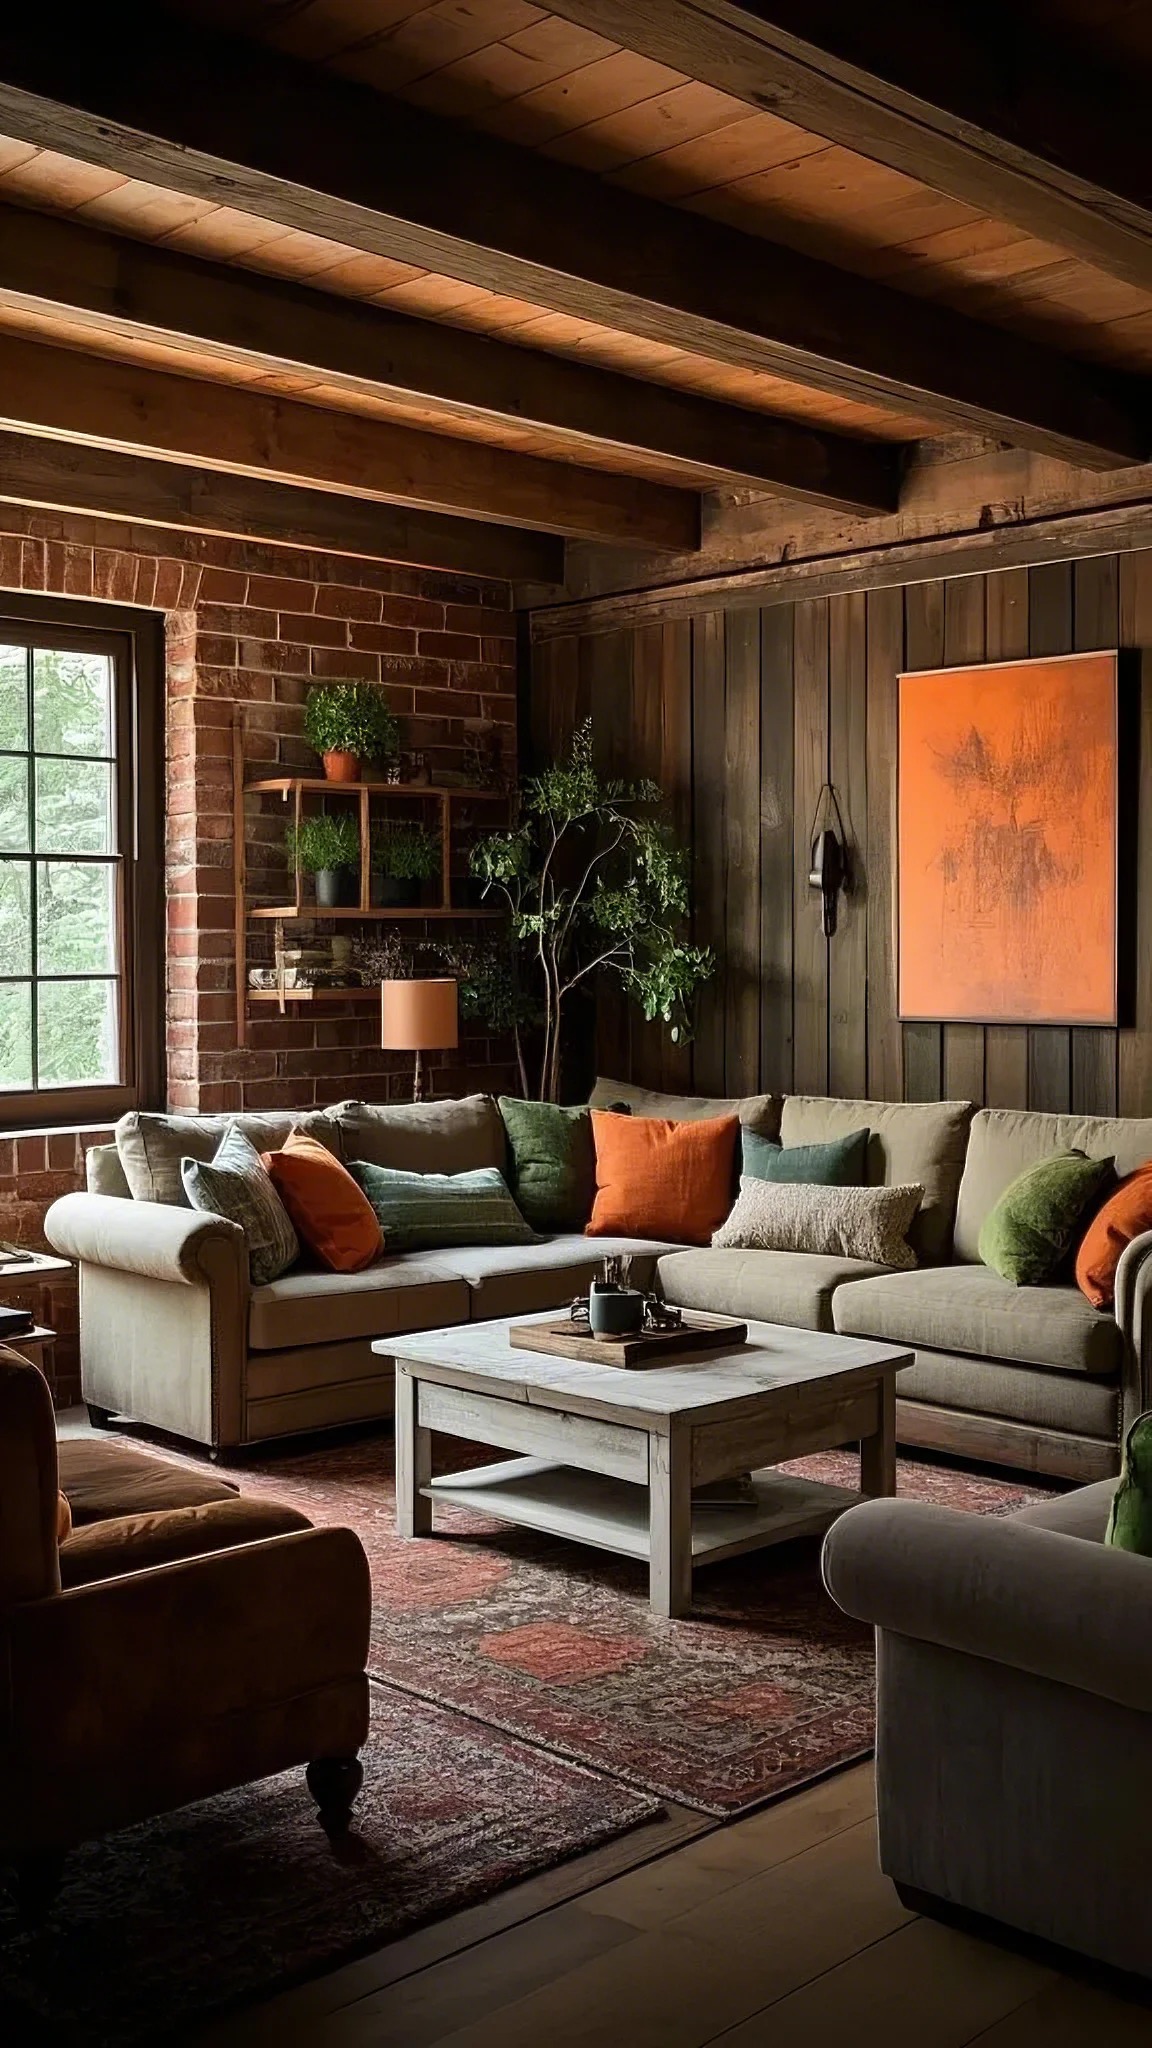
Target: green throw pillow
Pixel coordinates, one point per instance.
(424, 1212)
(1033, 1226)
(1130, 1517)
(552, 1162)
(235, 1184)
(838, 1164)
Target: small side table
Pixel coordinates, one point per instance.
(37, 1345)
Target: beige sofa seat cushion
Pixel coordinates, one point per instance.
(760, 1112)
(970, 1309)
(424, 1137)
(1083, 1513)
(910, 1142)
(151, 1146)
(795, 1288)
(1079, 1402)
(1004, 1142)
(512, 1280)
(310, 1307)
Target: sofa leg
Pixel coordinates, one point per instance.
(334, 1782)
(35, 1883)
(100, 1418)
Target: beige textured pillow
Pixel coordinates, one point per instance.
(842, 1223)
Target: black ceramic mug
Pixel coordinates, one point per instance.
(615, 1311)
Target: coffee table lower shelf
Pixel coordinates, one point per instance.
(613, 1514)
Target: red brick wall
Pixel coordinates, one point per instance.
(252, 625)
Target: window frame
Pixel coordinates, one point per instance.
(135, 642)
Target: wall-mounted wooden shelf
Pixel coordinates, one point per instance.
(308, 913)
(315, 995)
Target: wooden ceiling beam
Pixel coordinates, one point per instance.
(125, 288)
(242, 126)
(106, 484)
(60, 392)
(955, 94)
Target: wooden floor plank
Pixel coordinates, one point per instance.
(1067, 2014)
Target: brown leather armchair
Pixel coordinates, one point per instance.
(180, 1641)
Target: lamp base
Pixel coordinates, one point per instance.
(419, 1089)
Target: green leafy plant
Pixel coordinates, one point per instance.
(596, 883)
(410, 853)
(325, 840)
(351, 718)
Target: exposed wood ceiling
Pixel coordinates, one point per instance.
(676, 286)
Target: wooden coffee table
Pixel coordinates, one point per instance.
(611, 1457)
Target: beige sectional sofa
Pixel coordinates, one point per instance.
(173, 1334)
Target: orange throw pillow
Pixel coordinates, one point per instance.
(1126, 1213)
(331, 1215)
(657, 1178)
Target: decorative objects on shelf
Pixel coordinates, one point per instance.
(404, 857)
(830, 870)
(1008, 842)
(349, 724)
(326, 845)
(623, 914)
(419, 1017)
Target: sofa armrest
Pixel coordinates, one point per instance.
(1062, 1608)
(101, 1667)
(154, 1239)
(1134, 1315)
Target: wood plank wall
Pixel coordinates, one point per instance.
(741, 715)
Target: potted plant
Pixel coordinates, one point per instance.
(350, 724)
(327, 845)
(404, 857)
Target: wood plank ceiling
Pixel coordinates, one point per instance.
(614, 268)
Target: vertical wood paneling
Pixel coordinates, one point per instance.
(606, 666)
(1095, 623)
(923, 648)
(885, 659)
(675, 778)
(848, 772)
(1135, 1049)
(742, 852)
(1006, 639)
(809, 946)
(777, 863)
(964, 642)
(709, 811)
(646, 758)
(1050, 632)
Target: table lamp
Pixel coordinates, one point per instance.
(419, 1017)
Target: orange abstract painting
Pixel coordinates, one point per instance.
(1007, 842)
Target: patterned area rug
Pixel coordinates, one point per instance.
(764, 1688)
(160, 1927)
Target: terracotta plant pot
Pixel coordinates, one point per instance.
(341, 767)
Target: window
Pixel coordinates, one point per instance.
(79, 871)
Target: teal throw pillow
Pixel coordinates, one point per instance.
(1029, 1233)
(235, 1184)
(1130, 1516)
(552, 1162)
(838, 1164)
(424, 1212)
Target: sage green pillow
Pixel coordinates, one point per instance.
(1130, 1516)
(427, 1212)
(1032, 1228)
(837, 1164)
(551, 1162)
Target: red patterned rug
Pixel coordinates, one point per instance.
(764, 1688)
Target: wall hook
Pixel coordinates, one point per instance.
(829, 871)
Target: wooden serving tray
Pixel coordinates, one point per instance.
(634, 1351)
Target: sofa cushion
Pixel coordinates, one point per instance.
(309, 1307)
(551, 1162)
(104, 1172)
(152, 1146)
(426, 1212)
(236, 1184)
(795, 1288)
(1004, 1142)
(103, 1478)
(970, 1309)
(909, 1142)
(660, 1177)
(1028, 1234)
(1081, 1403)
(133, 1543)
(1125, 1215)
(870, 1224)
(759, 1112)
(838, 1164)
(1083, 1513)
(330, 1214)
(457, 1136)
(509, 1281)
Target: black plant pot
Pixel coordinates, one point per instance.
(395, 892)
(333, 888)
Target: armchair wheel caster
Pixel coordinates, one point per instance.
(334, 1782)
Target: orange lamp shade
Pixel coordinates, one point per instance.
(418, 1016)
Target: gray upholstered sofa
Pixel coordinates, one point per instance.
(173, 1334)
(1014, 1704)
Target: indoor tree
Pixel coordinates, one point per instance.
(596, 883)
